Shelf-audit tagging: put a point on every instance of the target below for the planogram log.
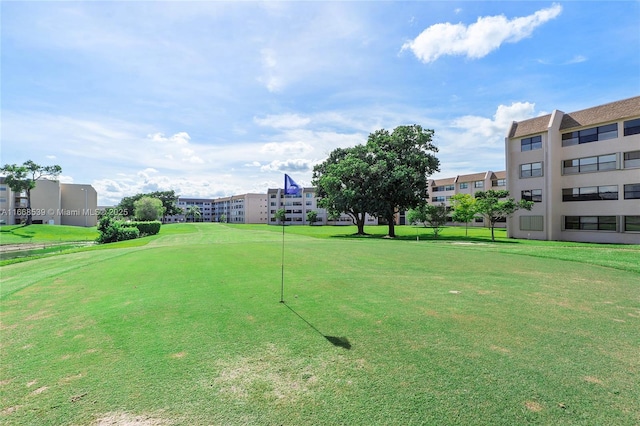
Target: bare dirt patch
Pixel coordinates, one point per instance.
(179, 355)
(533, 406)
(40, 390)
(268, 374)
(592, 379)
(69, 379)
(39, 316)
(127, 419)
(500, 349)
(10, 410)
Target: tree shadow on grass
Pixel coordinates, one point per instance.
(341, 342)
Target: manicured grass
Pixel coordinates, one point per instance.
(19, 234)
(188, 329)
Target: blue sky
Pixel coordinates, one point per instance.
(218, 98)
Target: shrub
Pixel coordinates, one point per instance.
(112, 230)
(145, 228)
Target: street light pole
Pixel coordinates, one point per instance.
(86, 194)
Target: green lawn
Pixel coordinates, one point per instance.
(188, 329)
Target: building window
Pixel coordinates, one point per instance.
(531, 223)
(530, 170)
(601, 133)
(530, 144)
(631, 159)
(632, 223)
(499, 182)
(464, 185)
(478, 184)
(590, 223)
(440, 199)
(632, 127)
(589, 164)
(632, 191)
(534, 195)
(590, 193)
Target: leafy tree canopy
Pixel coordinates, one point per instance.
(169, 202)
(431, 215)
(402, 161)
(496, 204)
(341, 183)
(464, 209)
(148, 208)
(388, 174)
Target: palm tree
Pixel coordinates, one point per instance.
(193, 212)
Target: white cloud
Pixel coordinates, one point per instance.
(180, 138)
(286, 149)
(280, 121)
(298, 165)
(270, 77)
(493, 130)
(478, 39)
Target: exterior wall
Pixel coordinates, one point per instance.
(255, 208)
(51, 203)
(297, 207)
(79, 205)
(46, 202)
(554, 209)
(204, 204)
(441, 190)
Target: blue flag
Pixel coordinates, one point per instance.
(290, 187)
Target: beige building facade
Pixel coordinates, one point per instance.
(52, 203)
(297, 206)
(581, 170)
(441, 190)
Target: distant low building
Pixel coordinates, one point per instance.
(52, 203)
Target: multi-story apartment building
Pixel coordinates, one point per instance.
(581, 170)
(52, 203)
(245, 208)
(441, 190)
(297, 206)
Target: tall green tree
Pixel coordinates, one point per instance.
(342, 184)
(496, 204)
(194, 213)
(464, 209)
(402, 161)
(148, 208)
(431, 215)
(312, 217)
(281, 216)
(24, 177)
(169, 202)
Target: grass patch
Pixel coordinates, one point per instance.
(187, 329)
(21, 234)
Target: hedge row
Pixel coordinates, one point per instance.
(145, 228)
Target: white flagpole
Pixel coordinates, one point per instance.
(284, 219)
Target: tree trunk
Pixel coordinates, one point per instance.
(29, 215)
(392, 223)
(360, 224)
